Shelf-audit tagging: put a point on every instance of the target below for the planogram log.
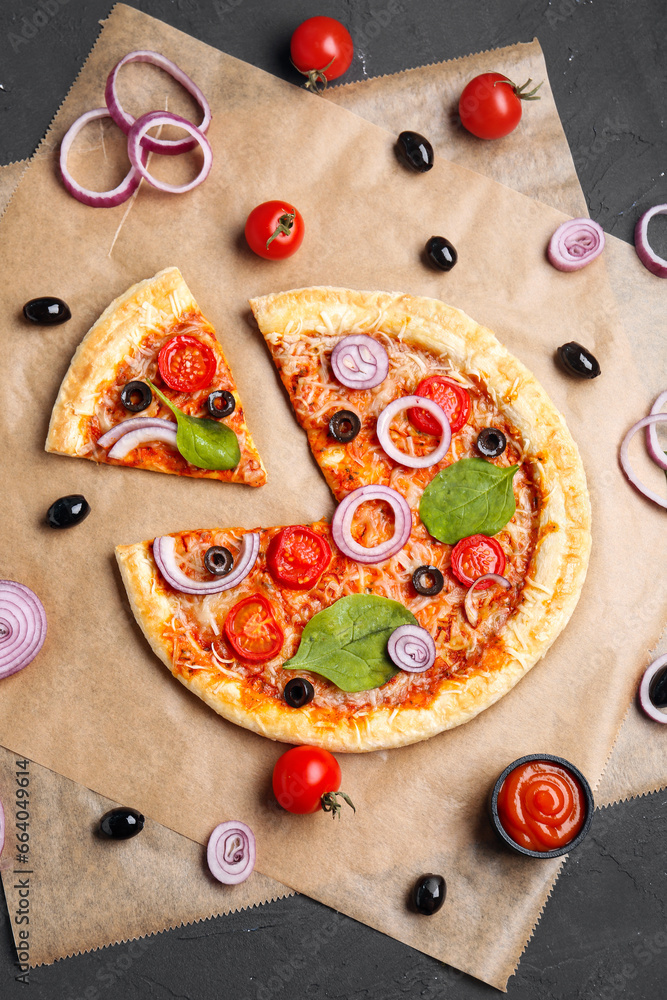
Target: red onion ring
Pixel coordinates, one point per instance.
(413, 461)
(631, 476)
(652, 443)
(137, 153)
(143, 435)
(164, 553)
(231, 852)
(22, 627)
(125, 121)
(649, 258)
(341, 524)
(411, 648)
(132, 424)
(96, 199)
(471, 611)
(645, 687)
(575, 243)
(352, 368)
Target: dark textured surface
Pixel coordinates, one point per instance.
(604, 932)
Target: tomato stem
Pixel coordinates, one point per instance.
(317, 81)
(285, 223)
(521, 93)
(331, 804)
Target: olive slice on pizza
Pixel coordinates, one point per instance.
(455, 557)
(149, 388)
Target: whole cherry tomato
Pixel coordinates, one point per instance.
(451, 396)
(490, 105)
(297, 557)
(252, 631)
(474, 556)
(321, 49)
(306, 779)
(274, 230)
(186, 364)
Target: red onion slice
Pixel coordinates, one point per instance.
(649, 258)
(652, 443)
(125, 121)
(413, 461)
(22, 627)
(359, 362)
(575, 243)
(137, 153)
(132, 424)
(231, 852)
(653, 418)
(341, 524)
(143, 435)
(164, 553)
(411, 648)
(96, 199)
(471, 611)
(647, 705)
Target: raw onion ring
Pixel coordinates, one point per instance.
(96, 199)
(406, 403)
(136, 151)
(132, 424)
(143, 435)
(575, 243)
(471, 611)
(231, 852)
(653, 418)
(125, 121)
(354, 370)
(649, 258)
(341, 524)
(411, 648)
(645, 690)
(22, 627)
(652, 443)
(164, 553)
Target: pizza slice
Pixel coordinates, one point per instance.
(149, 388)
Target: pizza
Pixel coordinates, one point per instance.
(455, 556)
(149, 388)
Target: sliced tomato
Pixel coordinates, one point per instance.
(474, 556)
(186, 364)
(297, 557)
(252, 631)
(451, 396)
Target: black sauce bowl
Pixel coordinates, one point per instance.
(558, 851)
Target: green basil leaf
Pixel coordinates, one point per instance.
(470, 497)
(347, 642)
(204, 443)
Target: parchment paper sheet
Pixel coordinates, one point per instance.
(137, 734)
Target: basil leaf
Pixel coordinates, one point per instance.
(469, 497)
(347, 642)
(204, 443)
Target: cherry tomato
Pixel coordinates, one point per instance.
(474, 556)
(252, 631)
(306, 779)
(321, 49)
(274, 230)
(186, 364)
(297, 557)
(490, 105)
(451, 396)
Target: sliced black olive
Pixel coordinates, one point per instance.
(415, 151)
(578, 361)
(68, 511)
(218, 560)
(220, 403)
(136, 396)
(298, 692)
(122, 823)
(47, 311)
(441, 253)
(429, 894)
(344, 426)
(491, 442)
(658, 690)
(421, 577)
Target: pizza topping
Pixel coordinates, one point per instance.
(186, 364)
(450, 396)
(480, 584)
(575, 243)
(541, 805)
(491, 442)
(359, 362)
(220, 403)
(95, 199)
(143, 435)
(306, 779)
(164, 553)
(653, 690)
(429, 894)
(341, 524)
(218, 560)
(137, 153)
(298, 692)
(297, 556)
(231, 852)
(653, 418)
(47, 311)
(22, 627)
(469, 497)
(252, 631)
(133, 424)
(411, 648)
(475, 557)
(344, 426)
(441, 253)
(203, 443)
(578, 361)
(415, 151)
(67, 511)
(136, 396)
(649, 258)
(122, 823)
(414, 461)
(428, 580)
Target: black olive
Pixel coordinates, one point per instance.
(344, 426)
(220, 403)
(136, 396)
(421, 576)
(298, 692)
(491, 442)
(658, 689)
(47, 311)
(441, 253)
(415, 151)
(67, 511)
(578, 361)
(429, 894)
(122, 823)
(218, 560)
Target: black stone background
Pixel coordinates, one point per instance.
(604, 932)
